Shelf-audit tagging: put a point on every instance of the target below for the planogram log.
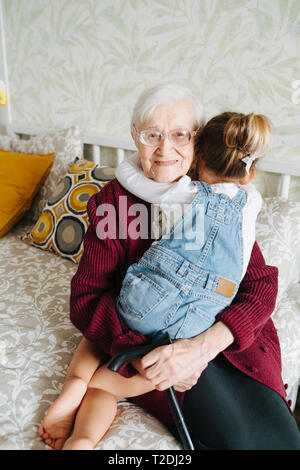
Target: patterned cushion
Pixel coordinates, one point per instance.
(64, 220)
(67, 144)
(286, 318)
(278, 235)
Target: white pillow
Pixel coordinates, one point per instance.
(6, 138)
(286, 319)
(67, 145)
(278, 236)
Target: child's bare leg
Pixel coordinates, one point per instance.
(57, 424)
(93, 419)
(99, 406)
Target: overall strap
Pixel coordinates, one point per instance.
(240, 198)
(203, 187)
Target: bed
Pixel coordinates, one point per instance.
(37, 339)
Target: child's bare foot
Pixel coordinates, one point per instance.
(79, 443)
(57, 424)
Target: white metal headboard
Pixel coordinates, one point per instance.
(285, 169)
(96, 140)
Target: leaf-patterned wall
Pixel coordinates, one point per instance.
(86, 61)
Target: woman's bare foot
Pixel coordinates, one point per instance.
(79, 443)
(57, 424)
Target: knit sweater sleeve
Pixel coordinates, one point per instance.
(254, 303)
(97, 282)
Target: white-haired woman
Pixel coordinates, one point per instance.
(233, 365)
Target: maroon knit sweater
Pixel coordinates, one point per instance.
(97, 282)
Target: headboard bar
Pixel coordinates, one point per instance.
(88, 138)
(120, 155)
(96, 154)
(107, 141)
(285, 169)
(284, 186)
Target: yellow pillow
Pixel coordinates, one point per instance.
(21, 177)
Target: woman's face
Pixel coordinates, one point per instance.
(167, 163)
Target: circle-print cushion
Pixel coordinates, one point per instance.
(62, 224)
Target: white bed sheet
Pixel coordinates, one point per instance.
(37, 341)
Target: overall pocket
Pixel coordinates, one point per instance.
(140, 294)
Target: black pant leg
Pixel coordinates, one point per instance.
(226, 409)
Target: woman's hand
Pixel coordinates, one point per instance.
(181, 363)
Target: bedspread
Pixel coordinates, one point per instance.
(37, 341)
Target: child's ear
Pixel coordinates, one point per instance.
(248, 178)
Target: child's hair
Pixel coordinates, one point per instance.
(229, 137)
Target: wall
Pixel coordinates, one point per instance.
(86, 61)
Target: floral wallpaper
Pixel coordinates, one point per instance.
(86, 61)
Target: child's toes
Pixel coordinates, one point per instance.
(59, 443)
(43, 433)
(49, 441)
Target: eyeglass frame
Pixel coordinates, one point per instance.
(166, 134)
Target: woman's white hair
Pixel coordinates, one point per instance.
(164, 94)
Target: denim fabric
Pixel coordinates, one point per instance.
(172, 289)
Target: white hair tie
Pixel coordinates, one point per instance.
(248, 161)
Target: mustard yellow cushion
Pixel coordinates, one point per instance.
(21, 177)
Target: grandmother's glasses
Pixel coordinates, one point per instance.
(153, 138)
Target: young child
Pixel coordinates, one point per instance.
(187, 276)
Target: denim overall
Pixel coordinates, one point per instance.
(190, 274)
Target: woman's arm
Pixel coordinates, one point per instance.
(236, 328)
(254, 303)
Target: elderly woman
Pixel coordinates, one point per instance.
(228, 377)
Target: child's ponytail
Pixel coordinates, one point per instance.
(230, 143)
